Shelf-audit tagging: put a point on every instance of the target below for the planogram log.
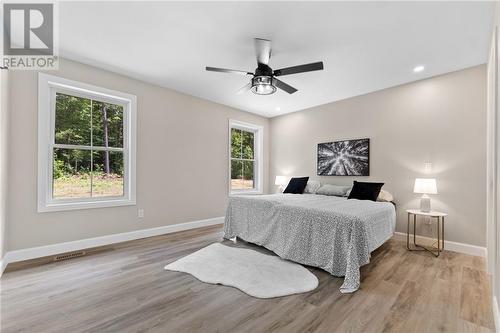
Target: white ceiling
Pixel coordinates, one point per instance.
(365, 46)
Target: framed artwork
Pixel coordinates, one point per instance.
(344, 158)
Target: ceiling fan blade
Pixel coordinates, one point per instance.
(245, 88)
(283, 86)
(262, 50)
(315, 66)
(224, 70)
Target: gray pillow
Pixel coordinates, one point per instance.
(312, 186)
(336, 190)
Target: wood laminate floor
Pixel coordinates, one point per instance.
(126, 290)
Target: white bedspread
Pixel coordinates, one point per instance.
(328, 232)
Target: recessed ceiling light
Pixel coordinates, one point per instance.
(418, 69)
(278, 108)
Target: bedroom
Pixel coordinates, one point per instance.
(128, 168)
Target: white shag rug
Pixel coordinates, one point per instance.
(257, 274)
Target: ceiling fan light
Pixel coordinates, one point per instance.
(262, 85)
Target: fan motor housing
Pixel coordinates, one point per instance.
(263, 70)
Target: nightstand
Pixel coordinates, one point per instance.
(439, 216)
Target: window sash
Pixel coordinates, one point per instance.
(253, 132)
(82, 147)
(93, 97)
(254, 176)
(91, 149)
(243, 159)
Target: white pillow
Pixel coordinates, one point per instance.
(312, 186)
(385, 196)
(336, 190)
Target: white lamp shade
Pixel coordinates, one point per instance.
(425, 186)
(280, 180)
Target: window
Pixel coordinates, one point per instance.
(86, 144)
(245, 157)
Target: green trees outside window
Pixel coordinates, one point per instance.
(242, 159)
(88, 156)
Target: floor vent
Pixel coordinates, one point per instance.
(69, 255)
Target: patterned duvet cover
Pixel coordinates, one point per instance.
(328, 232)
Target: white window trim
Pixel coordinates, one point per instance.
(258, 155)
(48, 85)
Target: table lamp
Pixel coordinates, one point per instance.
(425, 186)
(281, 181)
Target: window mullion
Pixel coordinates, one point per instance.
(255, 168)
(52, 140)
(81, 147)
(91, 150)
(241, 156)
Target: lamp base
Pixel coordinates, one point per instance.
(425, 203)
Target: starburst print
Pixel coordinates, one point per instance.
(344, 158)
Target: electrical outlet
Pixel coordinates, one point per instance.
(140, 213)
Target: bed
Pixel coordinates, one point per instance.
(329, 232)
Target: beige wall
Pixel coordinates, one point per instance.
(3, 157)
(177, 134)
(440, 120)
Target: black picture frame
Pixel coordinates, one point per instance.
(344, 158)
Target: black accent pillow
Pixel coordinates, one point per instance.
(296, 185)
(365, 191)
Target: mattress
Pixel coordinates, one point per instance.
(332, 233)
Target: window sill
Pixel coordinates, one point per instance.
(253, 192)
(64, 206)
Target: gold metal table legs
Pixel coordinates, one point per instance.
(418, 247)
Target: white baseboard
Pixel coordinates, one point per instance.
(448, 245)
(496, 314)
(48, 250)
(52, 249)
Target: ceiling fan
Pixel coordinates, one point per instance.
(264, 81)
